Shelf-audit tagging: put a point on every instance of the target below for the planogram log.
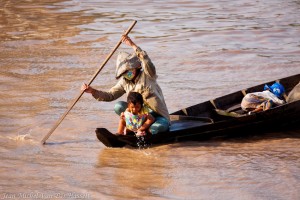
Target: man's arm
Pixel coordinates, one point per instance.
(147, 64)
(113, 94)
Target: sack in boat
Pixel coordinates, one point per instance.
(294, 95)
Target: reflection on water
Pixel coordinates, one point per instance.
(138, 173)
(40, 20)
(202, 50)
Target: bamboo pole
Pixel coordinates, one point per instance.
(89, 83)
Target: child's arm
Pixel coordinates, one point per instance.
(122, 124)
(150, 119)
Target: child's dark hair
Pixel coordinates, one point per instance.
(135, 97)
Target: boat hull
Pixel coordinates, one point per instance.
(219, 117)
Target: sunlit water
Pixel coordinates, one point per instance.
(202, 50)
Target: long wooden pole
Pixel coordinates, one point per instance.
(89, 83)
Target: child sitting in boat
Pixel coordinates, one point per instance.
(261, 101)
(136, 117)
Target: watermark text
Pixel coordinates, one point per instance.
(40, 195)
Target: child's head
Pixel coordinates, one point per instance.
(135, 102)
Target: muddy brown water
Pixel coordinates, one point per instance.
(202, 50)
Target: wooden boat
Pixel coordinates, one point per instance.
(218, 117)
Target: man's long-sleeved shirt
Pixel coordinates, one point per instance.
(145, 84)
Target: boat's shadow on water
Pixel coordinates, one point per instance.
(263, 136)
(250, 137)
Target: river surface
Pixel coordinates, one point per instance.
(201, 49)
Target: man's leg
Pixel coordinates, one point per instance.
(120, 107)
(160, 125)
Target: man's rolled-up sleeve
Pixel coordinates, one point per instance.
(114, 93)
(147, 64)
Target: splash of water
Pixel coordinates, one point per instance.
(21, 137)
(142, 142)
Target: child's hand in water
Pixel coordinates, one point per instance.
(140, 133)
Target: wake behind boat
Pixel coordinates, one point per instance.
(218, 117)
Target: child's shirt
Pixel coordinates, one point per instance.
(134, 122)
